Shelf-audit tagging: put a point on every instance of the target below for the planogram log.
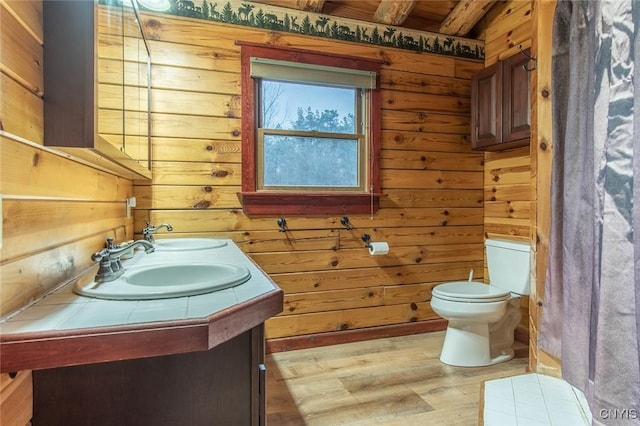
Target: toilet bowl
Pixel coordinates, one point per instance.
(482, 318)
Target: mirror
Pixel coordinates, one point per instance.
(124, 66)
(137, 72)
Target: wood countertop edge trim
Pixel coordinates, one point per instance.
(34, 351)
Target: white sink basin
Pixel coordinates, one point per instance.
(186, 244)
(167, 281)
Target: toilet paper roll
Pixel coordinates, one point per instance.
(378, 248)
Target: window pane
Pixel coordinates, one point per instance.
(313, 162)
(297, 106)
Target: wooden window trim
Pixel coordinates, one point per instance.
(328, 203)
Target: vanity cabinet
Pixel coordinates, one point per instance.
(500, 110)
(96, 78)
(221, 386)
(192, 360)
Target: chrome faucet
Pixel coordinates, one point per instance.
(109, 258)
(149, 230)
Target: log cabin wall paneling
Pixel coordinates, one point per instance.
(541, 159)
(431, 212)
(507, 174)
(55, 212)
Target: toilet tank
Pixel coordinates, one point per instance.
(508, 264)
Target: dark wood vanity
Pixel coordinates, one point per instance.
(220, 386)
(205, 367)
(206, 371)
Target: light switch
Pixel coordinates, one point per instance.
(130, 202)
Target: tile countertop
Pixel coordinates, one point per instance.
(64, 328)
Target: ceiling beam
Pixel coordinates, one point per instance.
(393, 12)
(310, 5)
(464, 16)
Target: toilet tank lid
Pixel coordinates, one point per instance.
(508, 244)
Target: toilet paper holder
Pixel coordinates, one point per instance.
(375, 249)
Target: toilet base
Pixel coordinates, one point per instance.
(467, 345)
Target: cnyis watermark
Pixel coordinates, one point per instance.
(619, 413)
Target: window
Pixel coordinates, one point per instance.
(310, 150)
(310, 142)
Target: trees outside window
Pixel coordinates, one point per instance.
(322, 149)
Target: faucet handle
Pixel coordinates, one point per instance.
(108, 270)
(109, 258)
(147, 232)
(99, 255)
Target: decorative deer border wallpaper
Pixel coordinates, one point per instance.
(258, 15)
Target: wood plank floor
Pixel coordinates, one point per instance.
(393, 381)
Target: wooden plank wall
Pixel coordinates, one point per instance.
(541, 154)
(507, 174)
(432, 208)
(55, 212)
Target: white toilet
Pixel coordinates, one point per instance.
(482, 318)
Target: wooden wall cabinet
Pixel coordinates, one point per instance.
(96, 78)
(500, 111)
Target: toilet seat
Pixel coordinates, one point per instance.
(470, 292)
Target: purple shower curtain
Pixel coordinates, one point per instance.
(591, 312)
